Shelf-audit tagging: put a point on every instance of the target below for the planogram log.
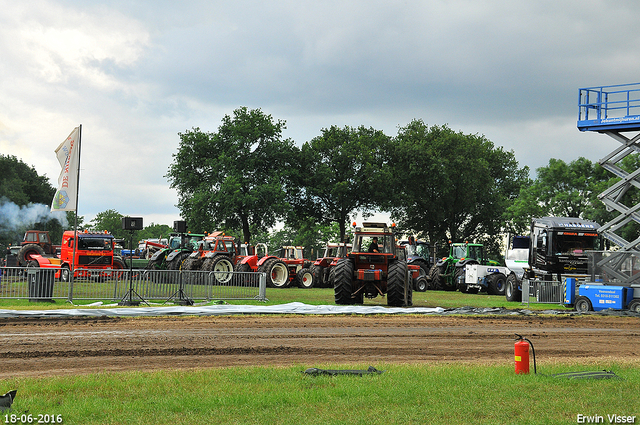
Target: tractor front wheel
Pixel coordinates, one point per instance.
(305, 278)
(277, 273)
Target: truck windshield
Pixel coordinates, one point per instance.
(574, 244)
(105, 244)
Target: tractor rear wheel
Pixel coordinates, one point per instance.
(25, 253)
(397, 285)
(277, 273)
(305, 278)
(221, 267)
(318, 274)
(497, 284)
(434, 278)
(343, 282)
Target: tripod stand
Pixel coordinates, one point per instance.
(131, 291)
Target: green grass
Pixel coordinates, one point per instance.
(404, 394)
(323, 296)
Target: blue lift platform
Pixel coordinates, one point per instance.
(615, 275)
(609, 108)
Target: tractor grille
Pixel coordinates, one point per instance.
(94, 260)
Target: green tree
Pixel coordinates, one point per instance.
(111, 221)
(343, 172)
(235, 178)
(309, 234)
(25, 197)
(563, 190)
(450, 185)
(571, 190)
(21, 183)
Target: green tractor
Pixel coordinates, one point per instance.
(444, 274)
(181, 245)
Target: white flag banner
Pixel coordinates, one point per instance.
(69, 158)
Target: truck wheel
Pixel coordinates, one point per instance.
(512, 291)
(343, 282)
(27, 251)
(396, 282)
(118, 268)
(65, 273)
(420, 285)
(222, 269)
(277, 273)
(634, 306)
(583, 304)
(434, 278)
(497, 284)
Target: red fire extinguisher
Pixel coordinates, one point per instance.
(522, 355)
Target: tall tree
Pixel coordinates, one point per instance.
(234, 178)
(25, 197)
(343, 173)
(571, 190)
(450, 185)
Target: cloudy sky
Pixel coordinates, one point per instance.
(136, 73)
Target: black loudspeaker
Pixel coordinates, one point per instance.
(132, 223)
(180, 226)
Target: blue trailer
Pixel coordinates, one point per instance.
(596, 297)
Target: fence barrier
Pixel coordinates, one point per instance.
(130, 286)
(542, 291)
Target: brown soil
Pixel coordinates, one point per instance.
(46, 347)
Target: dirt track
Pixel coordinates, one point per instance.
(44, 347)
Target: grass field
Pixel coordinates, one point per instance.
(324, 296)
(403, 394)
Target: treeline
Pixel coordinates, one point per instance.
(437, 184)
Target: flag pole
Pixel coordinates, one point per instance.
(75, 224)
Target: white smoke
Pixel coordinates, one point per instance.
(15, 219)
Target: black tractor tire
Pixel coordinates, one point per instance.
(396, 282)
(511, 292)
(318, 276)
(305, 278)
(420, 284)
(434, 278)
(241, 276)
(178, 261)
(25, 253)
(277, 273)
(583, 305)
(496, 284)
(192, 264)
(343, 282)
(221, 267)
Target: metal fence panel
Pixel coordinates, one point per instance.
(542, 291)
(130, 285)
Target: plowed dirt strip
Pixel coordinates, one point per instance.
(44, 347)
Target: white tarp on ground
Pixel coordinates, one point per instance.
(291, 308)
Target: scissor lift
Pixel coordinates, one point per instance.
(615, 111)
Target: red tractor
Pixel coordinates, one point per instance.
(216, 253)
(260, 261)
(322, 267)
(36, 242)
(372, 268)
(93, 255)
